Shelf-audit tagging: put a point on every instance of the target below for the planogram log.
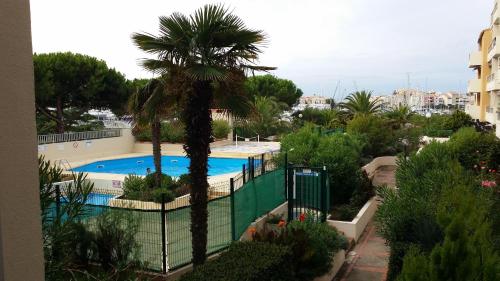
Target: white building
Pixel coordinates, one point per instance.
(317, 102)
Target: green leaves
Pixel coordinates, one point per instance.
(361, 103)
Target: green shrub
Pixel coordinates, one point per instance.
(340, 153)
(408, 216)
(457, 120)
(133, 186)
(143, 188)
(220, 129)
(475, 150)
(158, 192)
(166, 181)
(249, 261)
(376, 132)
(114, 239)
(172, 132)
(466, 252)
(312, 245)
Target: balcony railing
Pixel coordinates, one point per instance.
(78, 136)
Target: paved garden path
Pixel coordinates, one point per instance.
(369, 258)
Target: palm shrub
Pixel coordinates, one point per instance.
(205, 56)
(361, 102)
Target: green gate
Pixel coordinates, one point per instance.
(308, 192)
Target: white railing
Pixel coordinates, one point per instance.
(78, 136)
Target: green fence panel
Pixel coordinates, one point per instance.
(257, 197)
(179, 249)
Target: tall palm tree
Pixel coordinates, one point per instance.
(361, 102)
(148, 105)
(204, 53)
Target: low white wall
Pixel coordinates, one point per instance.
(260, 222)
(337, 262)
(85, 149)
(353, 229)
(371, 167)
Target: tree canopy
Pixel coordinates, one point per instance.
(271, 86)
(79, 82)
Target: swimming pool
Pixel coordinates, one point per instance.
(171, 165)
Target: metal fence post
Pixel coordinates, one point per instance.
(262, 166)
(163, 235)
(58, 201)
(324, 207)
(243, 172)
(253, 167)
(286, 175)
(290, 193)
(233, 222)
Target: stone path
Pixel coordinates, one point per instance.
(369, 259)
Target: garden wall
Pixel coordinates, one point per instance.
(371, 167)
(86, 149)
(353, 229)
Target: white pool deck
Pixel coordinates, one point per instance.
(242, 150)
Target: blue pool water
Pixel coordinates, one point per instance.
(171, 165)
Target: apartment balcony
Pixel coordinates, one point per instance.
(493, 50)
(495, 15)
(475, 59)
(493, 83)
(474, 86)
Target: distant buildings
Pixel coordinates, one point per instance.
(317, 102)
(484, 90)
(423, 101)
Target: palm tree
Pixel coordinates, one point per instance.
(361, 103)
(148, 105)
(401, 115)
(206, 55)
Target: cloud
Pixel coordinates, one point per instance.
(364, 44)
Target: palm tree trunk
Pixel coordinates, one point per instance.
(198, 121)
(156, 142)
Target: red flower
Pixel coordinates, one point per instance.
(488, 184)
(281, 223)
(302, 217)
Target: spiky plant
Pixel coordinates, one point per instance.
(361, 103)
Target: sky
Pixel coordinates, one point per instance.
(326, 47)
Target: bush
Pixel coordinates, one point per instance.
(158, 192)
(376, 132)
(466, 251)
(114, 239)
(340, 153)
(457, 120)
(139, 188)
(312, 245)
(474, 149)
(172, 131)
(220, 129)
(133, 186)
(249, 261)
